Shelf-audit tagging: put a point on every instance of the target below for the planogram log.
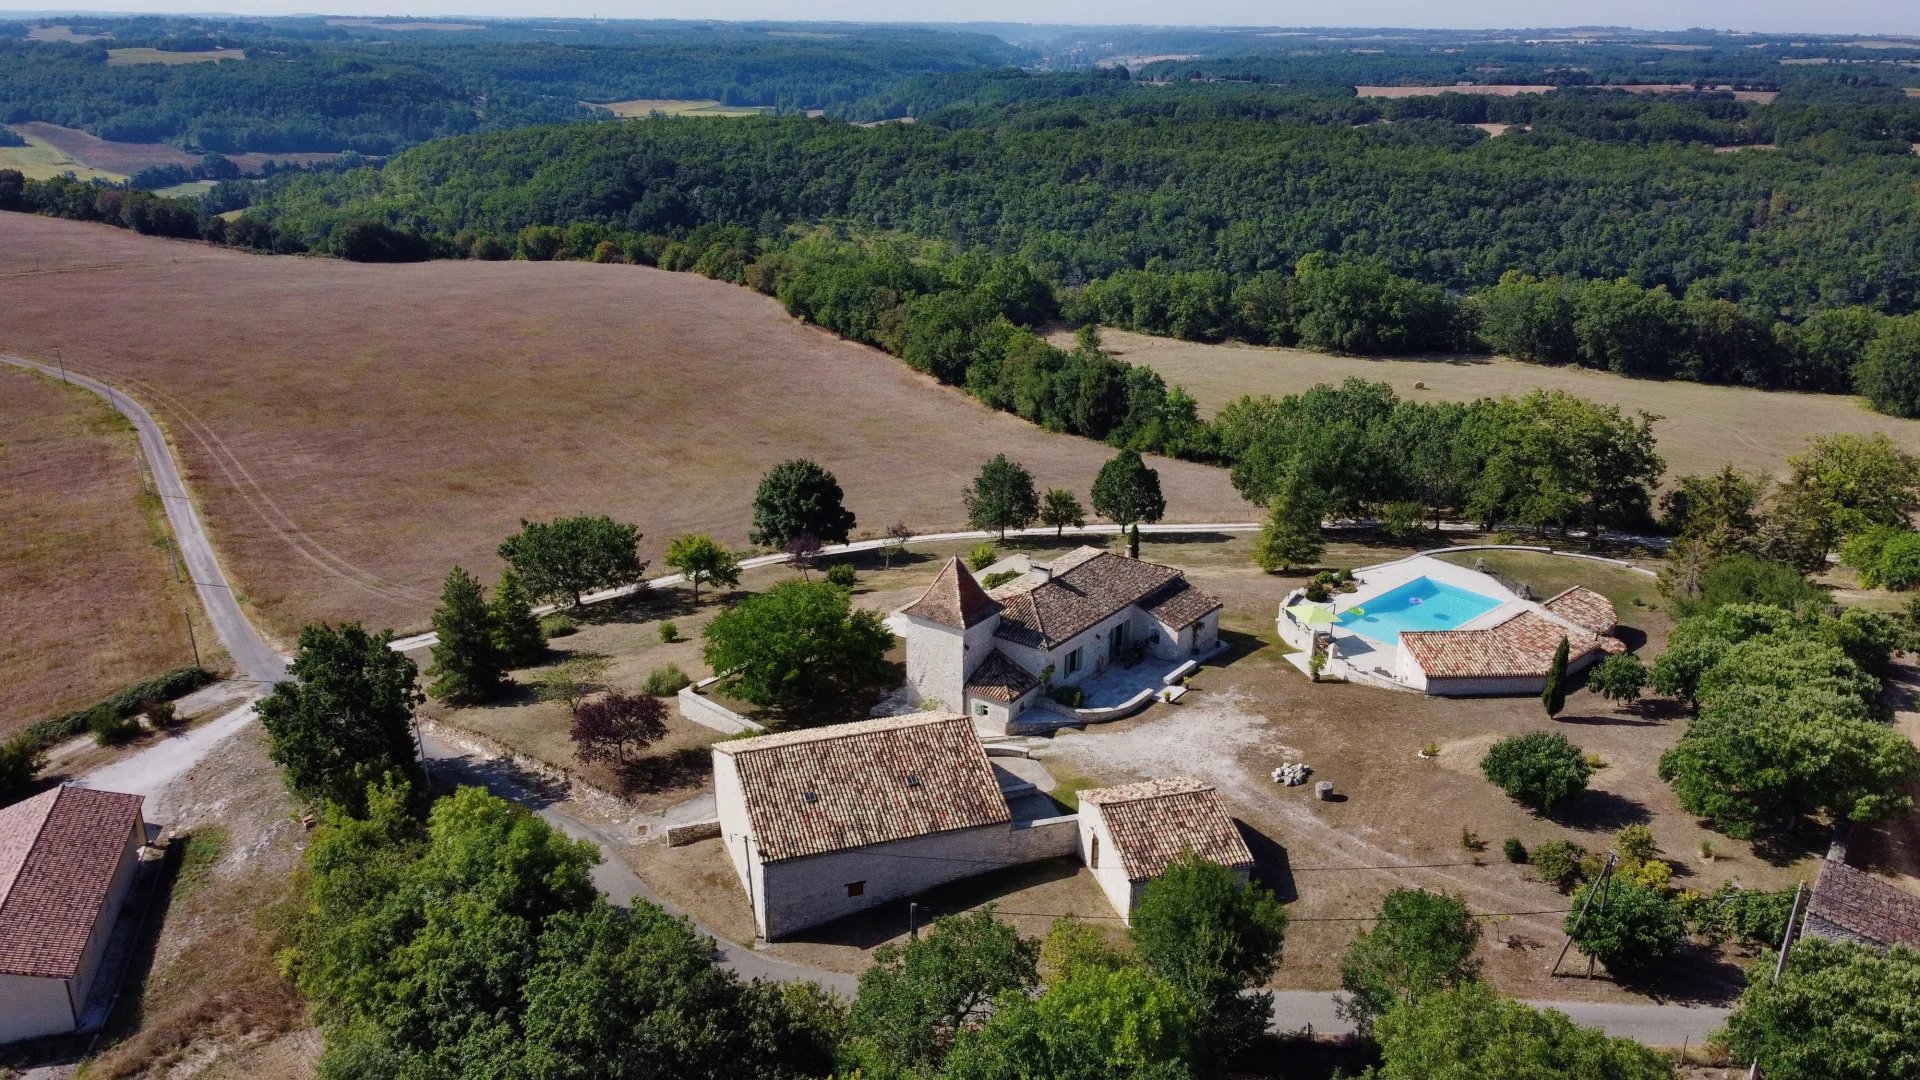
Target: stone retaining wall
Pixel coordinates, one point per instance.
(692, 833)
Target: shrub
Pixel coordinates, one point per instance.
(611, 728)
(21, 759)
(995, 580)
(1404, 520)
(557, 626)
(1070, 696)
(1515, 851)
(665, 681)
(669, 633)
(1635, 843)
(1319, 593)
(1639, 929)
(109, 728)
(1539, 769)
(982, 557)
(175, 683)
(1558, 862)
(841, 574)
(1619, 678)
(160, 714)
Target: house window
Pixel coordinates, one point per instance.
(979, 708)
(1073, 661)
(856, 888)
(1093, 857)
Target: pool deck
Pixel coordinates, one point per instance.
(1378, 661)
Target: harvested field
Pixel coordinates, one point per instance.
(129, 57)
(642, 107)
(124, 158)
(64, 34)
(85, 588)
(354, 430)
(1704, 426)
(404, 25)
(253, 161)
(1490, 89)
(41, 160)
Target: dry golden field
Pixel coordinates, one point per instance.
(351, 431)
(129, 57)
(1704, 427)
(85, 589)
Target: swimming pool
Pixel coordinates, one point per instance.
(1420, 604)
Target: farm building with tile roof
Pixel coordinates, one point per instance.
(826, 822)
(67, 858)
(1130, 834)
(1063, 622)
(1851, 905)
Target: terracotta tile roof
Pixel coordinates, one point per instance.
(954, 599)
(1863, 906)
(1154, 822)
(869, 782)
(1586, 608)
(1180, 605)
(59, 852)
(1516, 648)
(1000, 679)
(1093, 586)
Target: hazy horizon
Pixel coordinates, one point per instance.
(1753, 16)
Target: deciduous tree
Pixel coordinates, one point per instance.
(346, 715)
(1060, 508)
(1472, 1033)
(1002, 497)
(1127, 491)
(1839, 1011)
(699, 558)
(1423, 942)
(916, 998)
(1637, 929)
(612, 727)
(1540, 769)
(798, 497)
(571, 681)
(566, 557)
(1095, 1024)
(1214, 937)
(799, 644)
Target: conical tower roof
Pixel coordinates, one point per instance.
(954, 599)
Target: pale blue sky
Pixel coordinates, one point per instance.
(1773, 16)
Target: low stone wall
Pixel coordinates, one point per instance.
(575, 786)
(692, 833)
(1044, 838)
(707, 712)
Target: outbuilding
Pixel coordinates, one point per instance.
(826, 822)
(1130, 834)
(67, 860)
(1851, 905)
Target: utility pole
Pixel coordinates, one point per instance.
(1605, 873)
(61, 359)
(1606, 890)
(1780, 964)
(913, 920)
(420, 744)
(191, 639)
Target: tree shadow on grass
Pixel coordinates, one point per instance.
(1239, 644)
(1600, 811)
(654, 773)
(1789, 843)
(1614, 719)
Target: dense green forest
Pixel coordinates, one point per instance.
(292, 94)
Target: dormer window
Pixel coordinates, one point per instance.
(912, 780)
(810, 796)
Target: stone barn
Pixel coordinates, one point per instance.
(1130, 834)
(67, 859)
(1849, 905)
(826, 822)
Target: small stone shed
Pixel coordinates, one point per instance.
(1130, 834)
(67, 860)
(826, 822)
(1850, 905)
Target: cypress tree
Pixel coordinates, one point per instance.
(516, 631)
(467, 665)
(1554, 697)
(1133, 541)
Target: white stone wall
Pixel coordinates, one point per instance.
(123, 875)
(936, 661)
(31, 1008)
(707, 712)
(730, 806)
(1100, 856)
(799, 893)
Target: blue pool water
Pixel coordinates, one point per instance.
(1420, 604)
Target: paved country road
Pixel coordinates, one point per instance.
(153, 771)
(251, 654)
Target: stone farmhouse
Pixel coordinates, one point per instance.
(1512, 656)
(1850, 905)
(993, 654)
(67, 859)
(825, 822)
(1130, 834)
